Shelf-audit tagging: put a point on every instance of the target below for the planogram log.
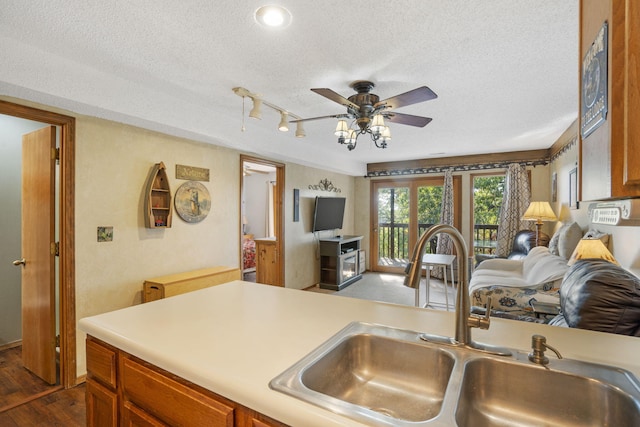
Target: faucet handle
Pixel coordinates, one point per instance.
(482, 322)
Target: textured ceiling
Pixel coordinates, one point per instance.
(505, 71)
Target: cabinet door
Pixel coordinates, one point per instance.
(102, 405)
(266, 263)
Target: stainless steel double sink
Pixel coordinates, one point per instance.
(379, 375)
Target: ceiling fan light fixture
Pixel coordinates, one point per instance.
(386, 134)
(284, 122)
(273, 16)
(300, 130)
(351, 138)
(378, 124)
(342, 130)
(256, 112)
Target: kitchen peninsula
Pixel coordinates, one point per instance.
(232, 339)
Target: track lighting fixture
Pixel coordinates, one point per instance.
(256, 111)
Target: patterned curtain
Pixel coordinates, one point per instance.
(445, 244)
(515, 202)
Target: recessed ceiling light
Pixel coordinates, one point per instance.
(273, 16)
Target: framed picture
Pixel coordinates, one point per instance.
(573, 188)
(554, 187)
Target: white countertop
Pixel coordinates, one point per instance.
(234, 338)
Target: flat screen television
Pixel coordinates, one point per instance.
(328, 213)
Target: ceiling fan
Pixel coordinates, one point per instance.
(368, 112)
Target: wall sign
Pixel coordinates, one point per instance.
(192, 173)
(593, 108)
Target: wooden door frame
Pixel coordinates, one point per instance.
(66, 231)
(278, 202)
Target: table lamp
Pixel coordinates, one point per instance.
(591, 248)
(539, 212)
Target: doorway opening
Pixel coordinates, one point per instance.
(261, 220)
(64, 182)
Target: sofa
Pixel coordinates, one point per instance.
(515, 284)
(523, 242)
(600, 296)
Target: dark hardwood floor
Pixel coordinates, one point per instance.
(26, 400)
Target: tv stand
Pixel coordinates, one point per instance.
(339, 258)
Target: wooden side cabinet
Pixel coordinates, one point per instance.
(610, 155)
(267, 262)
(123, 390)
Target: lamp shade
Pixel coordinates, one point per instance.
(341, 129)
(378, 124)
(591, 248)
(539, 211)
(300, 130)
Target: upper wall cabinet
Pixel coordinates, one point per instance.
(610, 149)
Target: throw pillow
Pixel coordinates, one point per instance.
(565, 240)
(569, 240)
(553, 243)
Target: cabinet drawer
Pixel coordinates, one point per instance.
(101, 363)
(134, 416)
(169, 400)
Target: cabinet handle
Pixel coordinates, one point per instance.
(18, 262)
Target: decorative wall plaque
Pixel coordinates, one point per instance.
(192, 201)
(192, 173)
(593, 108)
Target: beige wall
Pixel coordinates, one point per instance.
(112, 164)
(624, 239)
(302, 262)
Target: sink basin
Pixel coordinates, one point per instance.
(373, 373)
(400, 379)
(383, 376)
(499, 393)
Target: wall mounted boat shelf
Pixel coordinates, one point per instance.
(157, 201)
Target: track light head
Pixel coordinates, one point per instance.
(284, 122)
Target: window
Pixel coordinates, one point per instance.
(487, 200)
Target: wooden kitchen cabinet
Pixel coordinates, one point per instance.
(610, 155)
(101, 391)
(267, 262)
(123, 390)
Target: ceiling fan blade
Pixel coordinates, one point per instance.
(414, 96)
(407, 119)
(335, 97)
(333, 116)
